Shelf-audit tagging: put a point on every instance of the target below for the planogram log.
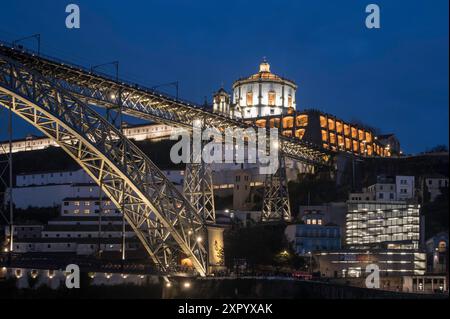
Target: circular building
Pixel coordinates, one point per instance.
(263, 94)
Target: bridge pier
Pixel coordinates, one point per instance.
(276, 205)
(198, 190)
(216, 258)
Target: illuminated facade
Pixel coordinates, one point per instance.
(391, 225)
(263, 94)
(328, 131)
(269, 101)
(142, 132)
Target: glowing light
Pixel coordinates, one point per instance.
(187, 284)
(199, 239)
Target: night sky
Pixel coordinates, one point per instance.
(394, 78)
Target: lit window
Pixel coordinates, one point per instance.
(272, 96)
(331, 125)
(323, 121)
(302, 120)
(76, 211)
(324, 135)
(86, 211)
(361, 135)
(249, 98)
(332, 138)
(87, 203)
(289, 101)
(340, 141)
(76, 203)
(319, 222)
(348, 144)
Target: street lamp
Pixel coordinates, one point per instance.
(310, 262)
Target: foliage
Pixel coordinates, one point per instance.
(436, 214)
(314, 190)
(438, 149)
(261, 245)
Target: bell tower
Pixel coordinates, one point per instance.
(221, 102)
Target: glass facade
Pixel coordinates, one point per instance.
(378, 224)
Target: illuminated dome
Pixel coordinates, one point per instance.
(263, 94)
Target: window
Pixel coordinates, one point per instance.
(87, 203)
(249, 98)
(332, 138)
(76, 203)
(86, 211)
(323, 121)
(76, 211)
(290, 101)
(331, 125)
(380, 195)
(272, 96)
(361, 135)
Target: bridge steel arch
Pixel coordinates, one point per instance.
(135, 100)
(162, 218)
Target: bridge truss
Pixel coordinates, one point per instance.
(165, 222)
(56, 96)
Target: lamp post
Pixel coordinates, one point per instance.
(310, 262)
(35, 36)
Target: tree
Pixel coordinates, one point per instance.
(438, 149)
(258, 244)
(436, 214)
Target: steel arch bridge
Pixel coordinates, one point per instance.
(55, 97)
(135, 100)
(164, 221)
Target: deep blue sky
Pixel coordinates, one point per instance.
(395, 78)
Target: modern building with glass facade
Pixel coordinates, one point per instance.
(374, 224)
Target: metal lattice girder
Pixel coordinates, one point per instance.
(102, 90)
(162, 218)
(198, 189)
(276, 205)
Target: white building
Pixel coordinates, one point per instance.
(398, 188)
(260, 94)
(404, 187)
(135, 132)
(86, 226)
